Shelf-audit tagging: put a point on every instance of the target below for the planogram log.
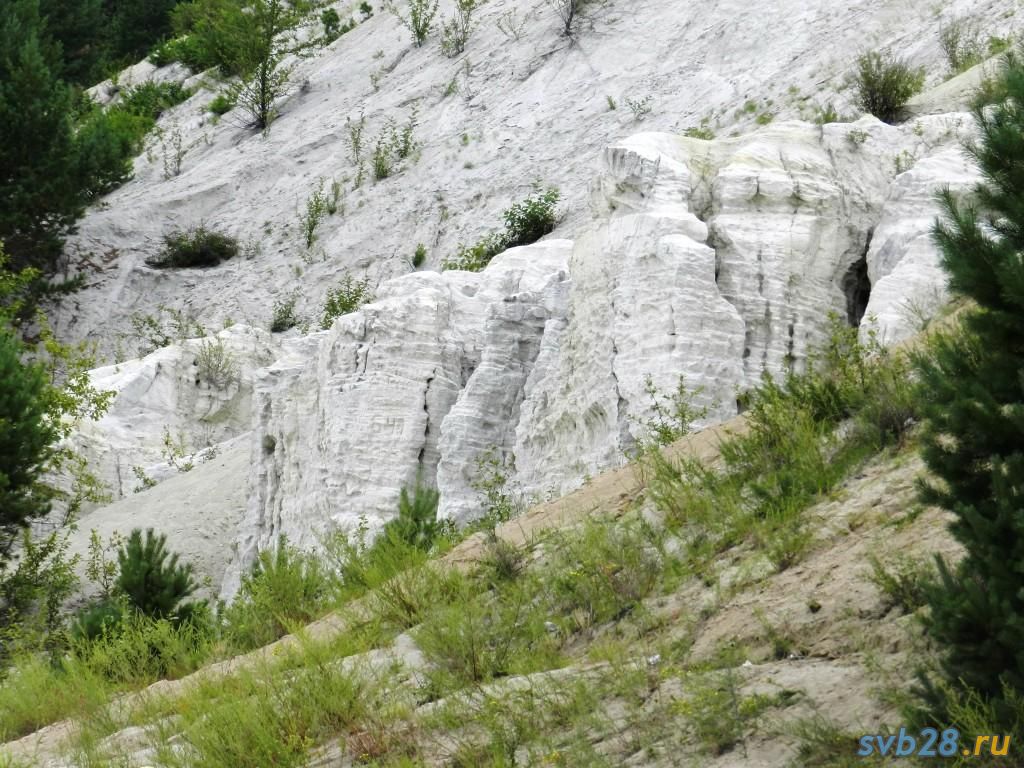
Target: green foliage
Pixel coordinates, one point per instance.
(903, 583)
(884, 83)
(151, 578)
(973, 406)
(107, 141)
(492, 483)
(600, 573)
(528, 221)
(196, 247)
(419, 258)
(525, 223)
(222, 104)
(251, 39)
(348, 296)
(139, 649)
(788, 456)
(570, 12)
(284, 317)
(717, 714)
(26, 439)
(416, 523)
(33, 589)
(150, 100)
(272, 715)
(318, 206)
(332, 24)
(215, 365)
(285, 589)
(185, 49)
(420, 18)
(39, 198)
(481, 637)
(961, 43)
(208, 36)
(456, 31)
(672, 416)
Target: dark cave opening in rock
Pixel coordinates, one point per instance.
(857, 288)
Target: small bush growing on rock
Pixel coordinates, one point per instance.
(455, 32)
(215, 364)
(222, 103)
(420, 256)
(528, 221)
(347, 297)
(420, 18)
(284, 317)
(151, 99)
(525, 222)
(197, 247)
(672, 415)
(884, 83)
(961, 43)
(319, 205)
(570, 12)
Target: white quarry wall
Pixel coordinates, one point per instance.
(714, 260)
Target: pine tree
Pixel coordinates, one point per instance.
(972, 384)
(39, 199)
(26, 436)
(150, 576)
(80, 27)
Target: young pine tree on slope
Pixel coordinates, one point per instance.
(972, 385)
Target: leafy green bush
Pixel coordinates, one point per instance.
(185, 49)
(150, 100)
(455, 32)
(142, 649)
(284, 317)
(196, 247)
(285, 588)
(528, 221)
(903, 583)
(420, 256)
(107, 142)
(347, 297)
(420, 18)
(884, 83)
(525, 223)
(673, 416)
(222, 103)
(26, 435)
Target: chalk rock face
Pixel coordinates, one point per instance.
(198, 393)
(349, 416)
(710, 260)
(908, 285)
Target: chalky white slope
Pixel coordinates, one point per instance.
(714, 260)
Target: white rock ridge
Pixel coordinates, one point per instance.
(712, 260)
(197, 393)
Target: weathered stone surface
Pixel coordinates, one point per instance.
(173, 392)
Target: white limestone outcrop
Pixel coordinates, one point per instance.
(197, 393)
(714, 260)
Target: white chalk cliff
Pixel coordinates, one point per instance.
(711, 259)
